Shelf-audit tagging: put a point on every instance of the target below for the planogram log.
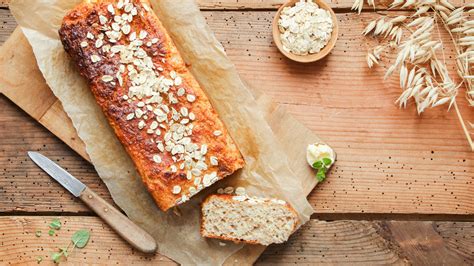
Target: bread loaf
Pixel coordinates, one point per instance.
(153, 103)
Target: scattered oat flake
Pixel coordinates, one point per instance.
(128, 7)
(111, 9)
(228, 190)
(130, 116)
(217, 133)
(107, 78)
(102, 20)
(143, 34)
(214, 160)
(95, 58)
(157, 158)
(240, 191)
(176, 189)
(98, 43)
(191, 98)
(126, 28)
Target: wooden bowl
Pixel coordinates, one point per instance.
(309, 57)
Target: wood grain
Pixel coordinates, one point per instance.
(274, 4)
(23, 186)
(423, 245)
(376, 243)
(389, 160)
(338, 242)
(19, 245)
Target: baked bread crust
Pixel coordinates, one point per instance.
(114, 44)
(242, 200)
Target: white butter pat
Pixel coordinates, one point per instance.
(318, 151)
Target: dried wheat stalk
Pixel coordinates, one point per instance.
(423, 73)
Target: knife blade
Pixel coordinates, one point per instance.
(128, 230)
(59, 174)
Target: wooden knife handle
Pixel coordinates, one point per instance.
(129, 231)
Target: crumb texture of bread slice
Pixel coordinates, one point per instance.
(246, 219)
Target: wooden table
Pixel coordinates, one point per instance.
(401, 191)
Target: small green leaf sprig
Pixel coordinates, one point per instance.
(322, 166)
(54, 225)
(79, 239)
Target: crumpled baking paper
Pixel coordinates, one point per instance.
(271, 141)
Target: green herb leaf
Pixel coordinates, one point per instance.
(51, 232)
(317, 165)
(322, 166)
(327, 161)
(64, 251)
(56, 257)
(80, 238)
(38, 233)
(55, 224)
(321, 175)
(39, 259)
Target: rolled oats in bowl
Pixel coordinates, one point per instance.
(305, 28)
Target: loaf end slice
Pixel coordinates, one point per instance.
(246, 219)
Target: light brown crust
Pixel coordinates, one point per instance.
(229, 197)
(158, 177)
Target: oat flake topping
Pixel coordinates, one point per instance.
(154, 93)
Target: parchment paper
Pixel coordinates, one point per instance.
(272, 142)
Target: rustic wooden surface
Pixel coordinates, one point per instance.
(342, 241)
(391, 163)
(268, 4)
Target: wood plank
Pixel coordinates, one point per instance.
(274, 4)
(389, 160)
(270, 4)
(376, 243)
(19, 194)
(424, 245)
(7, 23)
(19, 245)
(23, 186)
(338, 242)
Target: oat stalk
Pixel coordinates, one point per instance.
(424, 77)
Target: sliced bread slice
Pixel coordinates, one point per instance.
(246, 219)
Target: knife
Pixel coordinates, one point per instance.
(129, 231)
